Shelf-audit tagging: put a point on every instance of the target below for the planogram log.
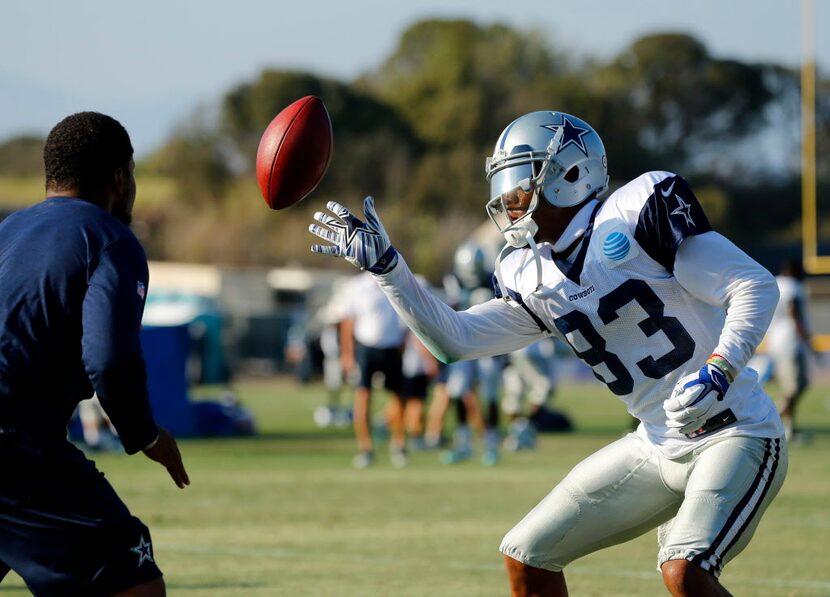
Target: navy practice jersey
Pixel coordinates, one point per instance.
(641, 312)
(74, 280)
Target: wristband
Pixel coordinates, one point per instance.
(387, 261)
(723, 364)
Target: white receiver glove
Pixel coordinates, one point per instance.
(698, 397)
(363, 244)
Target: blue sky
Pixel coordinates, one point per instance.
(151, 63)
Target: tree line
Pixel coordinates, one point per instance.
(415, 130)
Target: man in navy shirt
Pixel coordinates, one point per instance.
(74, 282)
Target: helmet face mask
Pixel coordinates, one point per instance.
(557, 156)
(514, 198)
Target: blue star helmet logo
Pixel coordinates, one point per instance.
(571, 134)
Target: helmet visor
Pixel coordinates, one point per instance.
(514, 196)
(509, 179)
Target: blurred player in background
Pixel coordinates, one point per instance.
(419, 369)
(439, 404)
(789, 340)
(74, 283)
(324, 329)
(530, 377)
(371, 341)
(473, 387)
(99, 435)
(666, 312)
(462, 380)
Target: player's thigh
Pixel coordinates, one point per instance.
(461, 377)
(802, 371)
(391, 365)
(787, 373)
(730, 486)
(490, 377)
(369, 360)
(415, 388)
(65, 530)
(511, 402)
(612, 496)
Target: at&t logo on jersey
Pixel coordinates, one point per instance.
(618, 247)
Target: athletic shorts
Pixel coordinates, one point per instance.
(443, 373)
(706, 504)
(387, 361)
(482, 376)
(529, 375)
(63, 528)
(415, 386)
(462, 377)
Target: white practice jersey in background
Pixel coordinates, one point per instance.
(376, 324)
(782, 336)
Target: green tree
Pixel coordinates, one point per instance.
(673, 98)
(373, 146)
(195, 159)
(415, 132)
(456, 82)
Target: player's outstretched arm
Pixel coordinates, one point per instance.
(165, 451)
(485, 330)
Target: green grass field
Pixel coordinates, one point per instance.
(284, 513)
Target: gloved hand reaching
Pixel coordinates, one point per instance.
(697, 397)
(364, 244)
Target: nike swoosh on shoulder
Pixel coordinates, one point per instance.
(667, 192)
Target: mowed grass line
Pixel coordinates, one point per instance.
(17, 192)
(283, 513)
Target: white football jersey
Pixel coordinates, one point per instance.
(618, 304)
(782, 336)
(376, 324)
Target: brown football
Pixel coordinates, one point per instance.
(294, 152)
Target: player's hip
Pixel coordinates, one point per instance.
(714, 496)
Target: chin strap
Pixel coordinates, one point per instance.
(537, 257)
(502, 288)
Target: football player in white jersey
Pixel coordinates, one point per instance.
(665, 311)
(789, 342)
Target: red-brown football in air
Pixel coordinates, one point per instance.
(294, 152)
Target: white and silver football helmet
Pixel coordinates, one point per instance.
(557, 156)
(474, 262)
(470, 264)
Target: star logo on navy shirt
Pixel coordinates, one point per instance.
(683, 209)
(571, 135)
(144, 550)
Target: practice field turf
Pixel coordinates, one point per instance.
(284, 513)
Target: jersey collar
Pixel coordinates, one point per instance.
(576, 227)
(579, 229)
